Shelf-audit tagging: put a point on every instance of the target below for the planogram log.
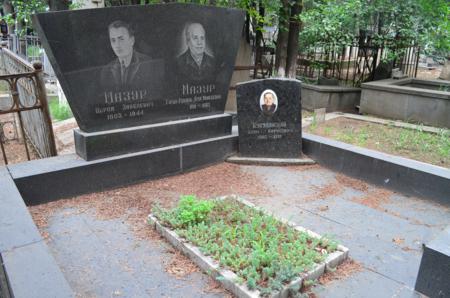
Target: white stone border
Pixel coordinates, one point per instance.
(227, 277)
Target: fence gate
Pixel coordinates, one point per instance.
(24, 114)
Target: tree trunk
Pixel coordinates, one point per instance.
(292, 48)
(258, 42)
(55, 5)
(8, 9)
(247, 28)
(282, 39)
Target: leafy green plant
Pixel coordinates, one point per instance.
(33, 51)
(265, 253)
(59, 111)
(190, 211)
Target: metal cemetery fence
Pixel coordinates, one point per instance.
(29, 48)
(26, 99)
(354, 63)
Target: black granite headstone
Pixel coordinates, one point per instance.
(269, 118)
(134, 65)
(433, 278)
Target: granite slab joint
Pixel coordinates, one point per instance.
(270, 161)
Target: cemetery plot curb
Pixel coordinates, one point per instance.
(400, 174)
(227, 278)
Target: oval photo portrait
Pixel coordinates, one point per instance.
(268, 102)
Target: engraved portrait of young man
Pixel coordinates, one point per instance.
(131, 73)
(196, 64)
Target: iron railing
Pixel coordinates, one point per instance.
(355, 63)
(26, 99)
(29, 48)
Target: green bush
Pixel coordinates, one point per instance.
(190, 211)
(58, 111)
(33, 51)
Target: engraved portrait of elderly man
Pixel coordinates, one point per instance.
(130, 71)
(268, 102)
(195, 64)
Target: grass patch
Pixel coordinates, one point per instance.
(416, 144)
(265, 253)
(58, 111)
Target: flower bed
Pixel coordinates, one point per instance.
(253, 253)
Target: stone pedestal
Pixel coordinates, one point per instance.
(103, 144)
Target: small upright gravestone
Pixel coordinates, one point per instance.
(269, 118)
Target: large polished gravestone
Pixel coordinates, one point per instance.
(142, 77)
(269, 118)
(433, 278)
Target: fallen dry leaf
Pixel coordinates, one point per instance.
(375, 198)
(180, 266)
(325, 191)
(346, 269)
(398, 240)
(323, 208)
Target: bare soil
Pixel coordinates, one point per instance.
(14, 149)
(414, 144)
(15, 152)
(429, 74)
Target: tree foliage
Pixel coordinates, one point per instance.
(392, 24)
(301, 23)
(23, 9)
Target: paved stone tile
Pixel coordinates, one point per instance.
(365, 284)
(102, 258)
(387, 240)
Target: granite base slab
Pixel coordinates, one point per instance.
(96, 145)
(32, 272)
(27, 267)
(270, 161)
(49, 179)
